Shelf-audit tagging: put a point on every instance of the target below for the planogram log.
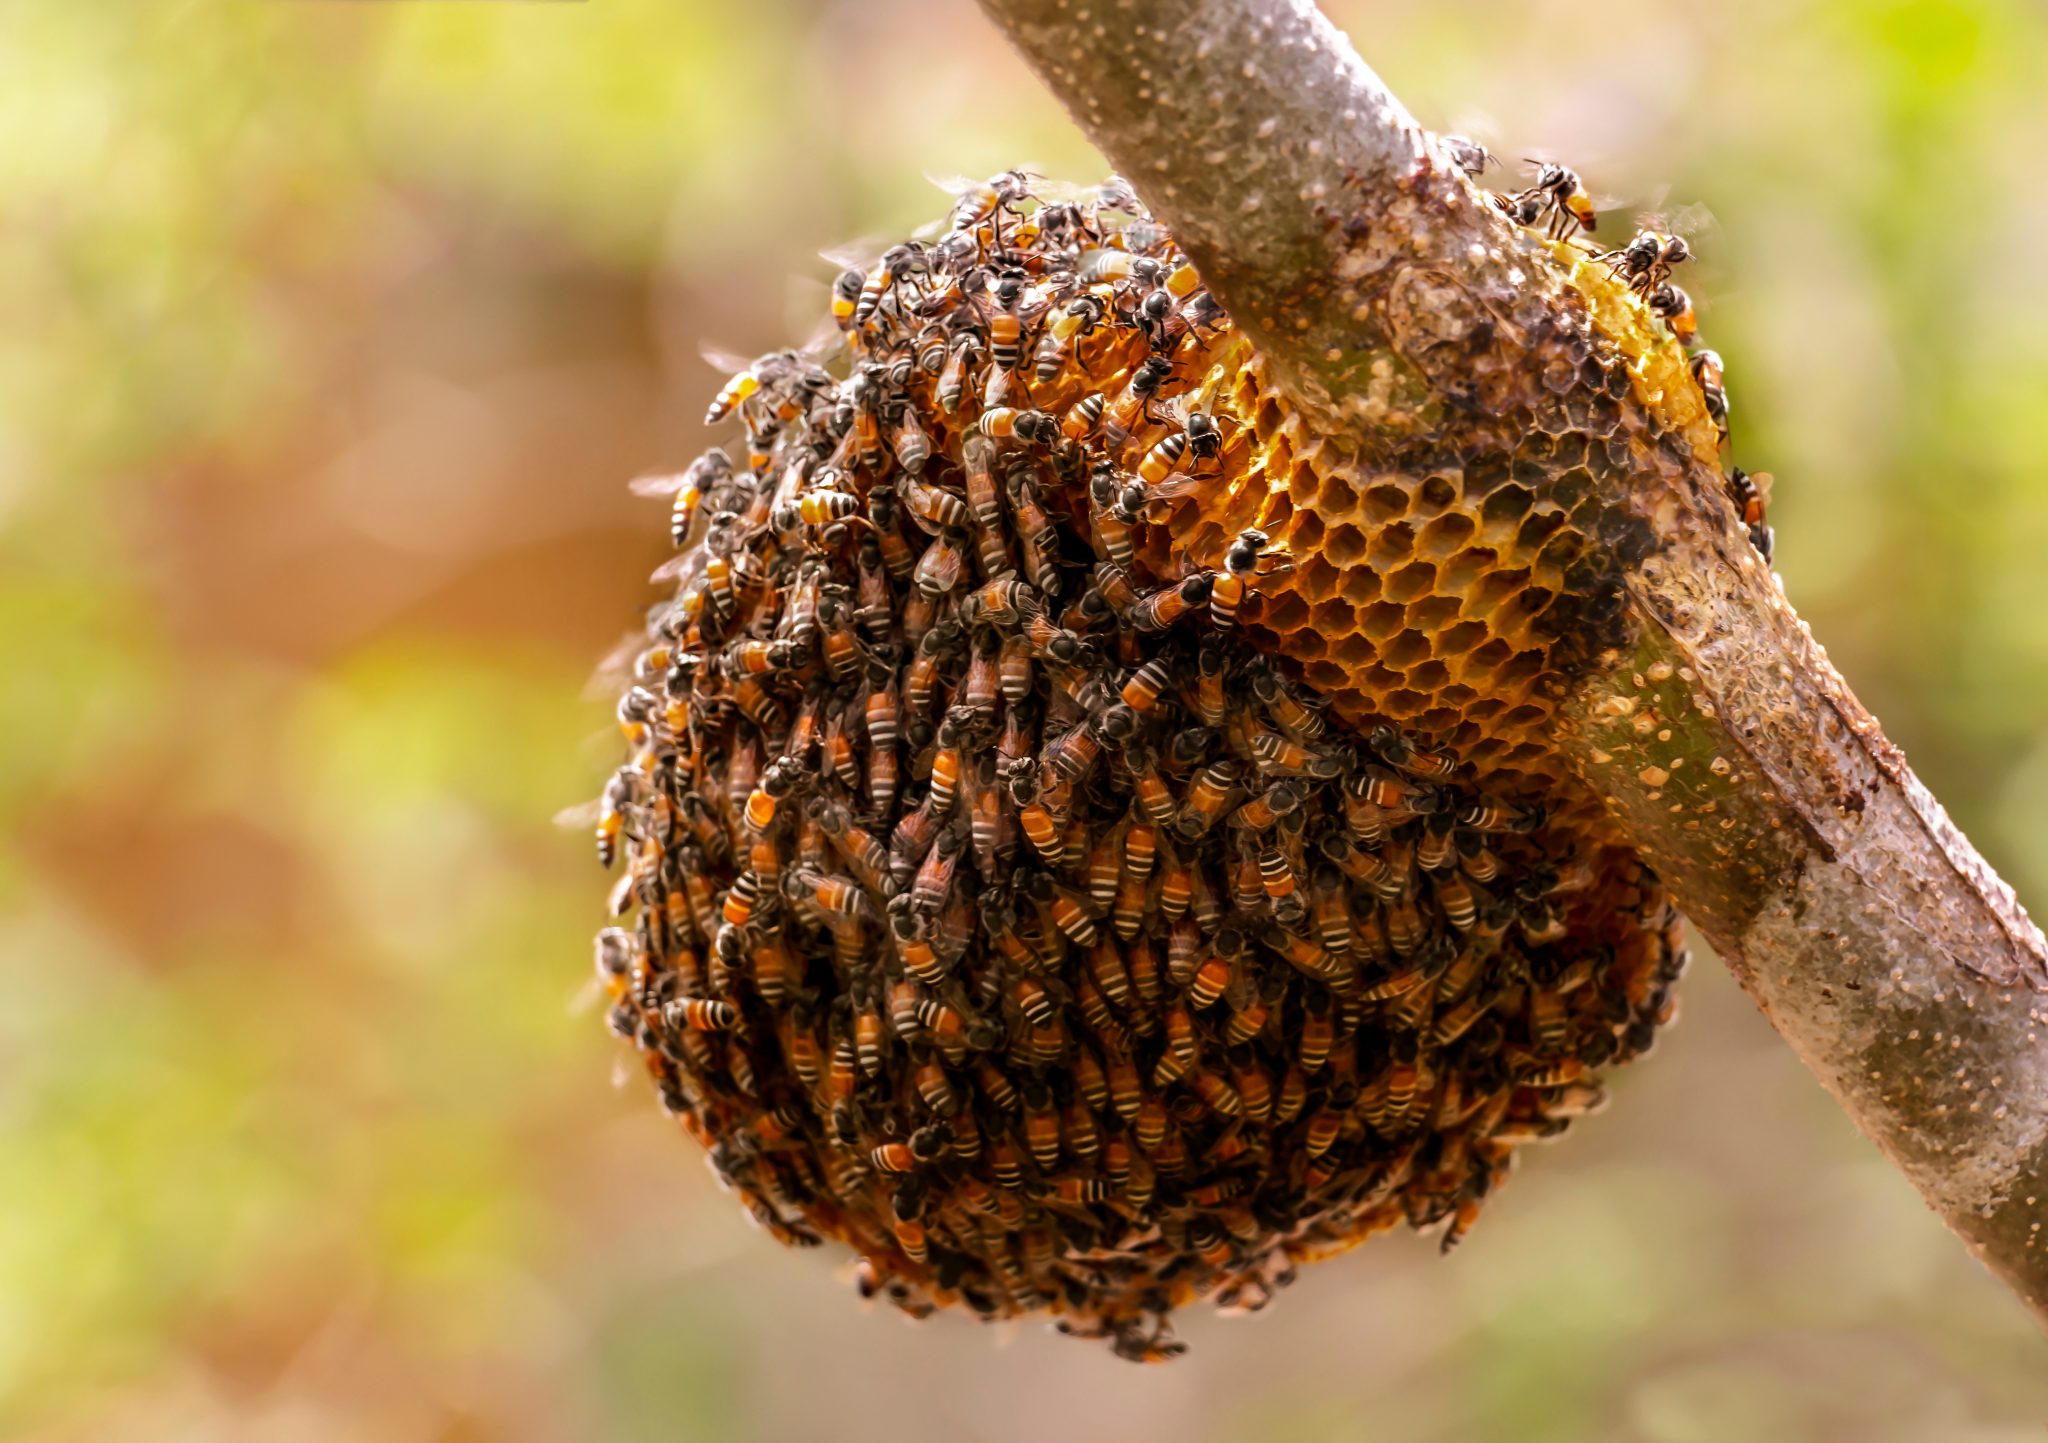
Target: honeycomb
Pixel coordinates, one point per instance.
(1090, 844)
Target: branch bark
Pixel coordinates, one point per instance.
(1395, 307)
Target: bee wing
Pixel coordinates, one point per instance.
(663, 485)
(730, 362)
(611, 674)
(683, 564)
(953, 185)
(583, 814)
(859, 255)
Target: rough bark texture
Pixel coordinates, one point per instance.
(1686, 708)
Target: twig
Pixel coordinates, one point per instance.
(1404, 316)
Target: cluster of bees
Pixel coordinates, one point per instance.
(1557, 202)
(989, 903)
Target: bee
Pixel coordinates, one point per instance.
(897, 264)
(1143, 688)
(1243, 562)
(1111, 522)
(1005, 331)
(1559, 193)
(846, 289)
(700, 1014)
(1750, 495)
(908, 440)
(958, 371)
(1674, 306)
(1157, 610)
(1079, 317)
(1134, 401)
(988, 202)
(933, 509)
(1468, 154)
(1002, 423)
(1647, 260)
(1497, 816)
(734, 393)
(942, 565)
(699, 479)
(1706, 374)
(1399, 751)
(1208, 797)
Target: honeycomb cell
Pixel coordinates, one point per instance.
(1445, 535)
(1384, 502)
(1345, 546)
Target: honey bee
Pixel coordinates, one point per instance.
(1468, 154)
(1706, 374)
(1559, 194)
(1080, 316)
(1157, 610)
(700, 1014)
(1002, 423)
(956, 375)
(1675, 307)
(1647, 260)
(1750, 496)
(897, 264)
(1134, 401)
(1242, 563)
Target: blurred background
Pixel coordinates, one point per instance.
(329, 336)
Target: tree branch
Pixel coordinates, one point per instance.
(1685, 703)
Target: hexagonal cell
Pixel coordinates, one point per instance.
(1456, 694)
(1537, 527)
(1326, 675)
(1383, 503)
(1507, 505)
(1413, 580)
(1344, 545)
(1460, 638)
(1284, 612)
(1441, 489)
(1483, 474)
(1494, 588)
(1403, 703)
(1445, 535)
(1360, 585)
(1521, 668)
(1431, 676)
(1485, 709)
(1391, 544)
(1337, 497)
(1353, 651)
(1306, 538)
(1381, 620)
(1333, 618)
(1463, 570)
(1570, 451)
(1433, 612)
(1315, 578)
(1405, 650)
(1305, 646)
(1278, 513)
(1266, 420)
(1303, 483)
(1561, 551)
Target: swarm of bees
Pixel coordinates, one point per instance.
(1557, 201)
(991, 904)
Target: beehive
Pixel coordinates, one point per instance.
(1064, 896)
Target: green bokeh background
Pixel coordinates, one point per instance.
(329, 333)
